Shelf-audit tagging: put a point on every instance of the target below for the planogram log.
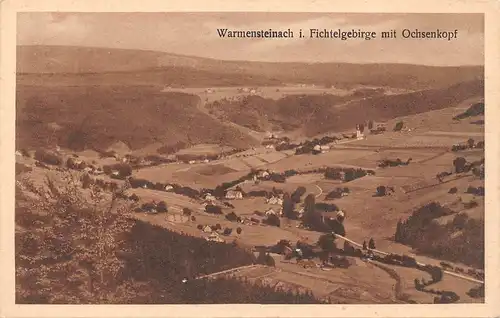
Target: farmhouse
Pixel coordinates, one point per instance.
(263, 174)
(209, 197)
(359, 134)
(207, 229)
(214, 237)
(274, 200)
(231, 194)
(271, 211)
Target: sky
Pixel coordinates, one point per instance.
(196, 34)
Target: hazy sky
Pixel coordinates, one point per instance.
(196, 34)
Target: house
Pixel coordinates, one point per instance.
(192, 162)
(209, 197)
(317, 148)
(168, 187)
(231, 194)
(115, 173)
(324, 147)
(263, 174)
(274, 201)
(214, 237)
(270, 147)
(207, 229)
(18, 153)
(271, 211)
(340, 215)
(359, 134)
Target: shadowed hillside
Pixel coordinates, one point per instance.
(322, 113)
(157, 68)
(96, 117)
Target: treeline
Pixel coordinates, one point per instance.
(461, 239)
(241, 291)
(169, 187)
(474, 110)
(346, 174)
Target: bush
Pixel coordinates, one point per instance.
(231, 217)
(272, 220)
(213, 209)
(193, 218)
(398, 126)
(459, 164)
(453, 190)
(199, 227)
(239, 230)
(381, 191)
(187, 211)
(48, 157)
(161, 206)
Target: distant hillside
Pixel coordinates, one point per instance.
(97, 117)
(59, 64)
(318, 114)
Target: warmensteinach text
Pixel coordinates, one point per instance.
(338, 34)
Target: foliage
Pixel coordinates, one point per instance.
(69, 255)
(474, 110)
(461, 239)
(459, 164)
(48, 157)
(327, 242)
(398, 126)
(288, 206)
(272, 219)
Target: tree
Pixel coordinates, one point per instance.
(72, 258)
(370, 124)
(371, 244)
(398, 236)
(327, 242)
(381, 191)
(459, 164)
(288, 206)
(297, 194)
(398, 126)
(311, 217)
(364, 246)
(272, 220)
(187, 211)
(161, 206)
(470, 143)
(238, 230)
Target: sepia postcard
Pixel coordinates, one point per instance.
(259, 159)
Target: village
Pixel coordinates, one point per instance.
(297, 200)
